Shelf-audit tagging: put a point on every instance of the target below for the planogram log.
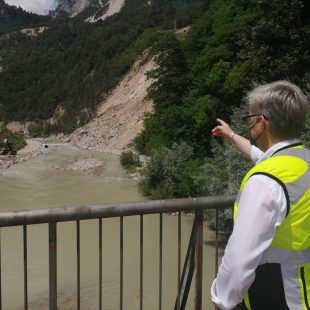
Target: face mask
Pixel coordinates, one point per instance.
(252, 140)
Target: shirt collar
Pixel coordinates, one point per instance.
(276, 147)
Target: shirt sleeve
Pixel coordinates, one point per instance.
(256, 154)
(254, 229)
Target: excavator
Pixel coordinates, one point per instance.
(6, 147)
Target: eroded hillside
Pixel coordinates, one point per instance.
(120, 116)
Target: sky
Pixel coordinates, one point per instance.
(40, 7)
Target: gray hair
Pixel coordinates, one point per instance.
(283, 104)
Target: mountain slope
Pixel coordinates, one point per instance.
(120, 116)
(13, 18)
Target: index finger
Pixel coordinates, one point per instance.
(220, 121)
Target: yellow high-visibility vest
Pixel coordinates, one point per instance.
(291, 245)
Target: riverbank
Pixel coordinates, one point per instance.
(43, 146)
(32, 149)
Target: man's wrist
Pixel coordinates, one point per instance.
(232, 137)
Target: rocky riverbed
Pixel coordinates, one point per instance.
(33, 148)
(87, 165)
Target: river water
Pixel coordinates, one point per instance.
(71, 177)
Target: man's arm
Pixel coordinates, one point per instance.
(254, 229)
(241, 143)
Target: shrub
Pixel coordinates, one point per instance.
(35, 130)
(128, 160)
(17, 139)
(169, 173)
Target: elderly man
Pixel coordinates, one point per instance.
(266, 265)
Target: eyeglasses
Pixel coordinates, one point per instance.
(252, 115)
(248, 117)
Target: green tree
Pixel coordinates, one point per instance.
(278, 47)
(167, 174)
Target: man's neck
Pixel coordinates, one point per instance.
(268, 141)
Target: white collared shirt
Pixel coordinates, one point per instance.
(262, 208)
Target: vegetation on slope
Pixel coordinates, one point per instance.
(73, 62)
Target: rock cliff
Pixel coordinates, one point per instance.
(100, 8)
(73, 7)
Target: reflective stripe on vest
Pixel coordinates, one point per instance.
(304, 270)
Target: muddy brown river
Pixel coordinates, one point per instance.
(67, 176)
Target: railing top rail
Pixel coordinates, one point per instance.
(73, 213)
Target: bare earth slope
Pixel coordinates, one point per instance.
(120, 116)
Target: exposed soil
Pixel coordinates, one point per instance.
(120, 116)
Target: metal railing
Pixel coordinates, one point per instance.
(193, 259)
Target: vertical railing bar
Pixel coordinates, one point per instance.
(160, 259)
(188, 268)
(121, 260)
(52, 266)
(141, 262)
(78, 265)
(179, 259)
(199, 259)
(216, 239)
(0, 275)
(25, 267)
(100, 264)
